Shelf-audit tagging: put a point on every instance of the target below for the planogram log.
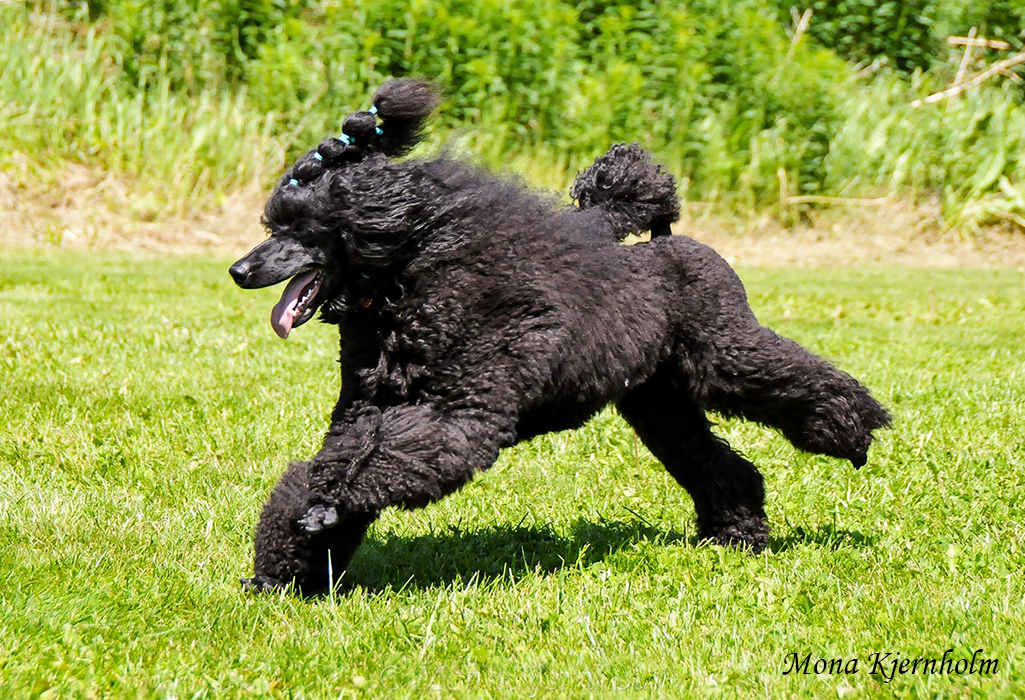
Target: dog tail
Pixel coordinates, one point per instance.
(634, 192)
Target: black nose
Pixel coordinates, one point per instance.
(240, 272)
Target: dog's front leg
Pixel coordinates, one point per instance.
(287, 552)
(408, 455)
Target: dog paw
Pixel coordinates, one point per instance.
(261, 584)
(319, 518)
(751, 534)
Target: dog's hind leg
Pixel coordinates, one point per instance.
(738, 367)
(772, 380)
(727, 489)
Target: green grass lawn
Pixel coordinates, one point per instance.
(147, 409)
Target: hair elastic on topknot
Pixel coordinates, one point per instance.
(332, 149)
(361, 127)
(307, 169)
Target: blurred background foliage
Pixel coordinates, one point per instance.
(192, 98)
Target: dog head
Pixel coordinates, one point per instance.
(328, 217)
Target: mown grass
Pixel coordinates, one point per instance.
(148, 408)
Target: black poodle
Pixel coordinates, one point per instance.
(475, 313)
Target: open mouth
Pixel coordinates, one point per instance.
(296, 304)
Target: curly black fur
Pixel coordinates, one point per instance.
(475, 313)
(632, 191)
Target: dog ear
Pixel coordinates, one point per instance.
(404, 105)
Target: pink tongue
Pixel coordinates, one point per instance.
(282, 316)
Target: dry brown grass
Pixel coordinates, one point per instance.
(83, 209)
(900, 234)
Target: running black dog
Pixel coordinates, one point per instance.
(475, 313)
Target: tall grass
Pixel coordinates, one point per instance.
(967, 152)
(63, 99)
(187, 101)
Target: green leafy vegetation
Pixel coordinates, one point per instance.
(187, 100)
(149, 408)
(865, 30)
(999, 19)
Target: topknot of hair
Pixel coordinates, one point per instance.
(403, 106)
(406, 98)
(361, 127)
(335, 151)
(307, 168)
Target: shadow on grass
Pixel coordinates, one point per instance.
(493, 553)
(823, 536)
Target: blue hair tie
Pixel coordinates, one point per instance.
(348, 140)
(316, 154)
(293, 182)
